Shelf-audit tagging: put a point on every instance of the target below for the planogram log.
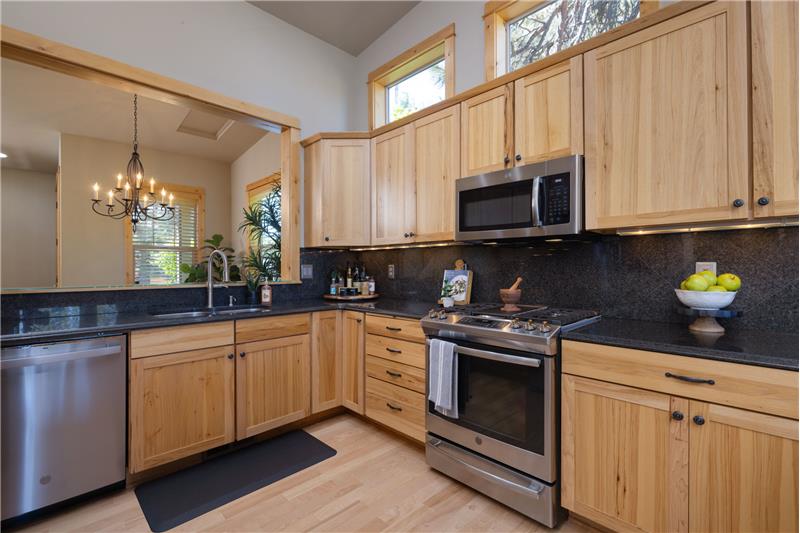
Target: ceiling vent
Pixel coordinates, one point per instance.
(204, 125)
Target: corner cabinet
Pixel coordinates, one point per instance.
(774, 29)
(326, 360)
(666, 117)
(393, 187)
(337, 199)
(353, 361)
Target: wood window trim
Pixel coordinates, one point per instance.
(441, 43)
(196, 193)
(496, 15)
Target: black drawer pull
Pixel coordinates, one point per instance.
(394, 374)
(393, 407)
(390, 328)
(394, 350)
(689, 379)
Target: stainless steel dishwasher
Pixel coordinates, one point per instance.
(63, 421)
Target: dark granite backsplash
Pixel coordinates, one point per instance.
(622, 277)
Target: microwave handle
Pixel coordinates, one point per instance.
(535, 215)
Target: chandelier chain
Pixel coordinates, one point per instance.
(135, 121)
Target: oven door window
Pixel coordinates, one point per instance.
(501, 400)
(504, 206)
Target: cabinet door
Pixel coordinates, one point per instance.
(743, 474)
(353, 361)
(345, 192)
(667, 122)
(436, 160)
(775, 107)
(313, 195)
(272, 384)
(326, 361)
(180, 404)
(393, 194)
(623, 458)
(486, 131)
(548, 113)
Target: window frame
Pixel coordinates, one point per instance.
(257, 187)
(440, 45)
(198, 194)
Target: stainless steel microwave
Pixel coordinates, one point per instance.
(536, 200)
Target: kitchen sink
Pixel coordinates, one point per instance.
(234, 311)
(212, 312)
(184, 314)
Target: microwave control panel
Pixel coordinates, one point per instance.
(556, 199)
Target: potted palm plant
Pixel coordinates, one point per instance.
(262, 226)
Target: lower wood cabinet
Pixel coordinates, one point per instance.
(180, 404)
(326, 360)
(353, 361)
(272, 384)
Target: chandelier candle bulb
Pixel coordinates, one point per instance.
(152, 185)
(138, 181)
(96, 188)
(110, 198)
(127, 190)
(163, 196)
(119, 181)
(171, 198)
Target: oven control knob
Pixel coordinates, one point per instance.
(432, 313)
(530, 326)
(442, 315)
(515, 324)
(545, 327)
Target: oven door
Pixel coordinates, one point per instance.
(506, 408)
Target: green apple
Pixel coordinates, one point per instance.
(716, 288)
(710, 277)
(683, 286)
(731, 282)
(696, 282)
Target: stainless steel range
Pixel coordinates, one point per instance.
(503, 441)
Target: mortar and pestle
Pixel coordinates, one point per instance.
(510, 297)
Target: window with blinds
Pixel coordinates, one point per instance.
(160, 246)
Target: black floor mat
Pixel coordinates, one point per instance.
(177, 498)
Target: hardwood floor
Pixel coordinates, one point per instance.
(376, 482)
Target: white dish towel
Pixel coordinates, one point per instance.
(443, 377)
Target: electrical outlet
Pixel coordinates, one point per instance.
(699, 266)
(392, 272)
(306, 271)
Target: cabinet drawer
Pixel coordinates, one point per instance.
(397, 328)
(158, 341)
(765, 390)
(406, 376)
(407, 353)
(272, 327)
(400, 409)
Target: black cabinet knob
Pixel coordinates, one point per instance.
(507, 160)
(406, 235)
(738, 202)
(518, 157)
(763, 200)
(327, 239)
(699, 420)
(230, 356)
(242, 354)
(677, 415)
(411, 234)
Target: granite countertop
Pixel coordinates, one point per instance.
(750, 347)
(16, 330)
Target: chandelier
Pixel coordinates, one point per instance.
(128, 199)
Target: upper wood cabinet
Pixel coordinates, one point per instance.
(666, 117)
(393, 187)
(487, 131)
(548, 113)
(337, 200)
(437, 163)
(774, 31)
(272, 384)
(353, 361)
(180, 404)
(326, 360)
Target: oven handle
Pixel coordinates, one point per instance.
(528, 491)
(501, 357)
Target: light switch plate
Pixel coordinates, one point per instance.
(306, 271)
(392, 272)
(699, 266)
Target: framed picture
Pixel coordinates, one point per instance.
(458, 283)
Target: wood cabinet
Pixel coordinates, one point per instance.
(272, 384)
(666, 117)
(353, 361)
(148, 342)
(272, 327)
(393, 187)
(774, 28)
(436, 168)
(634, 458)
(326, 360)
(180, 404)
(337, 198)
(548, 113)
(487, 129)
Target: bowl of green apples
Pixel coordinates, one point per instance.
(707, 291)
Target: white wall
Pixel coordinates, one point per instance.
(259, 161)
(93, 247)
(418, 24)
(28, 222)
(233, 48)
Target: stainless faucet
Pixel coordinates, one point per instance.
(225, 275)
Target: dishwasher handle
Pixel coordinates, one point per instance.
(44, 359)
